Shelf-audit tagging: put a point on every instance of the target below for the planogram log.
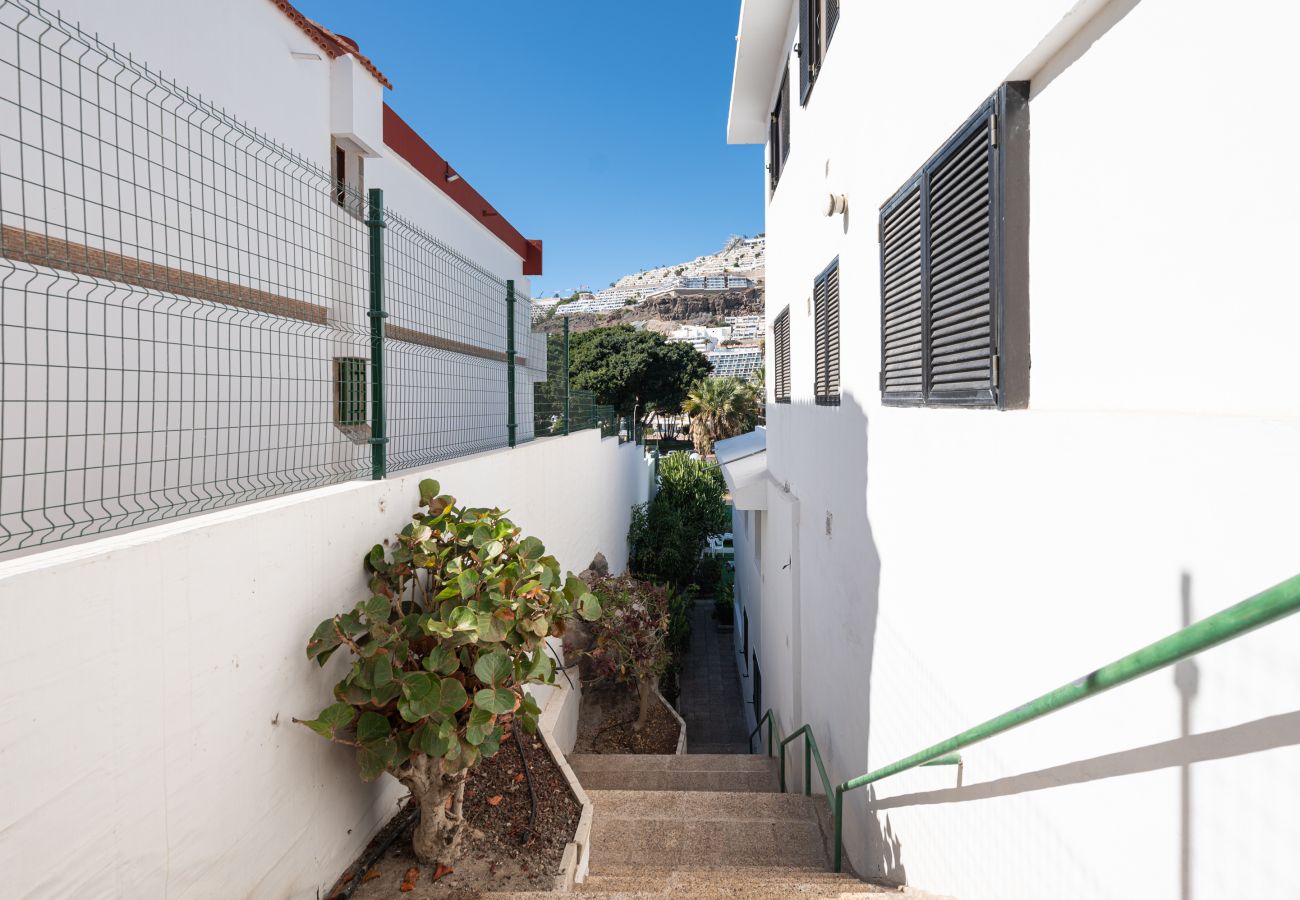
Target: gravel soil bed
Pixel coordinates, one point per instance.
(491, 854)
(605, 723)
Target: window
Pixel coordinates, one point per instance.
(347, 170)
(779, 130)
(781, 352)
(826, 336)
(817, 21)
(954, 262)
(350, 390)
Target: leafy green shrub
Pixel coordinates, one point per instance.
(723, 609)
(708, 575)
(631, 638)
(660, 545)
(460, 608)
(696, 488)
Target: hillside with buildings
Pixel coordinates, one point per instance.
(713, 302)
(738, 265)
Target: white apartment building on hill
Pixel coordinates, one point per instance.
(1033, 404)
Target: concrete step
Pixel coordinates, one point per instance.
(688, 772)
(703, 829)
(733, 878)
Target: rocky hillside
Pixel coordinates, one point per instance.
(667, 311)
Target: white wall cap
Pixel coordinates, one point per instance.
(356, 105)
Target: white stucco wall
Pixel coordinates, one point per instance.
(124, 404)
(146, 738)
(975, 559)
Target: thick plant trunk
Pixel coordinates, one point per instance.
(441, 799)
(644, 687)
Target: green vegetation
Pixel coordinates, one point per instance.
(631, 640)
(461, 605)
(631, 370)
(669, 534)
(720, 408)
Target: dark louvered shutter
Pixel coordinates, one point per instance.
(902, 311)
(785, 116)
(961, 345)
(807, 43)
(781, 353)
(774, 152)
(832, 17)
(826, 335)
(954, 252)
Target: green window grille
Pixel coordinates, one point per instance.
(350, 390)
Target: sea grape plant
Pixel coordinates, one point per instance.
(630, 642)
(459, 611)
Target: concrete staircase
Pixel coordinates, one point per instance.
(704, 826)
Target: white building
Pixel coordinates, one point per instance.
(939, 533)
(745, 328)
(737, 362)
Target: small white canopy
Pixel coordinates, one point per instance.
(743, 460)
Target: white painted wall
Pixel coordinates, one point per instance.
(976, 558)
(146, 735)
(123, 405)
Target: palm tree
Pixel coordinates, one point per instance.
(719, 408)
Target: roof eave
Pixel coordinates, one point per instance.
(760, 39)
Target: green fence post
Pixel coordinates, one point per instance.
(378, 415)
(566, 374)
(510, 361)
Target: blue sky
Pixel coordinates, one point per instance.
(598, 127)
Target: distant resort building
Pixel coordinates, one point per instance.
(740, 362)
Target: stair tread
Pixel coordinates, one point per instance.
(690, 762)
(702, 806)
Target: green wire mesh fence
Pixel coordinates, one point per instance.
(185, 307)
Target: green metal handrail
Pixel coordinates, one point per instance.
(809, 742)
(1264, 608)
(770, 719)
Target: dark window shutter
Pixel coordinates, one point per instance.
(954, 268)
(901, 288)
(826, 335)
(961, 268)
(832, 17)
(785, 116)
(774, 153)
(807, 53)
(781, 354)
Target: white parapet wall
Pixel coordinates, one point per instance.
(146, 733)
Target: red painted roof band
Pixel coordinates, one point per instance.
(402, 140)
(334, 45)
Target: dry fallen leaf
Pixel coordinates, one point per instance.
(519, 777)
(406, 887)
(442, 871)
(494, 801)
(370, 876)
(412, 874)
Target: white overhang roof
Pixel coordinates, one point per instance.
(743, 460)
(760, 42)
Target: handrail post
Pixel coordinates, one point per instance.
(378, 416)
(807, 762)
(769, 733)
(839, 828)
(510, 362)
(566, 374)
(781, 766)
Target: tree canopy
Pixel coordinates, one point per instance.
(627, 368)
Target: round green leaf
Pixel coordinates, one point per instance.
(495, 700)
(493, 668)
